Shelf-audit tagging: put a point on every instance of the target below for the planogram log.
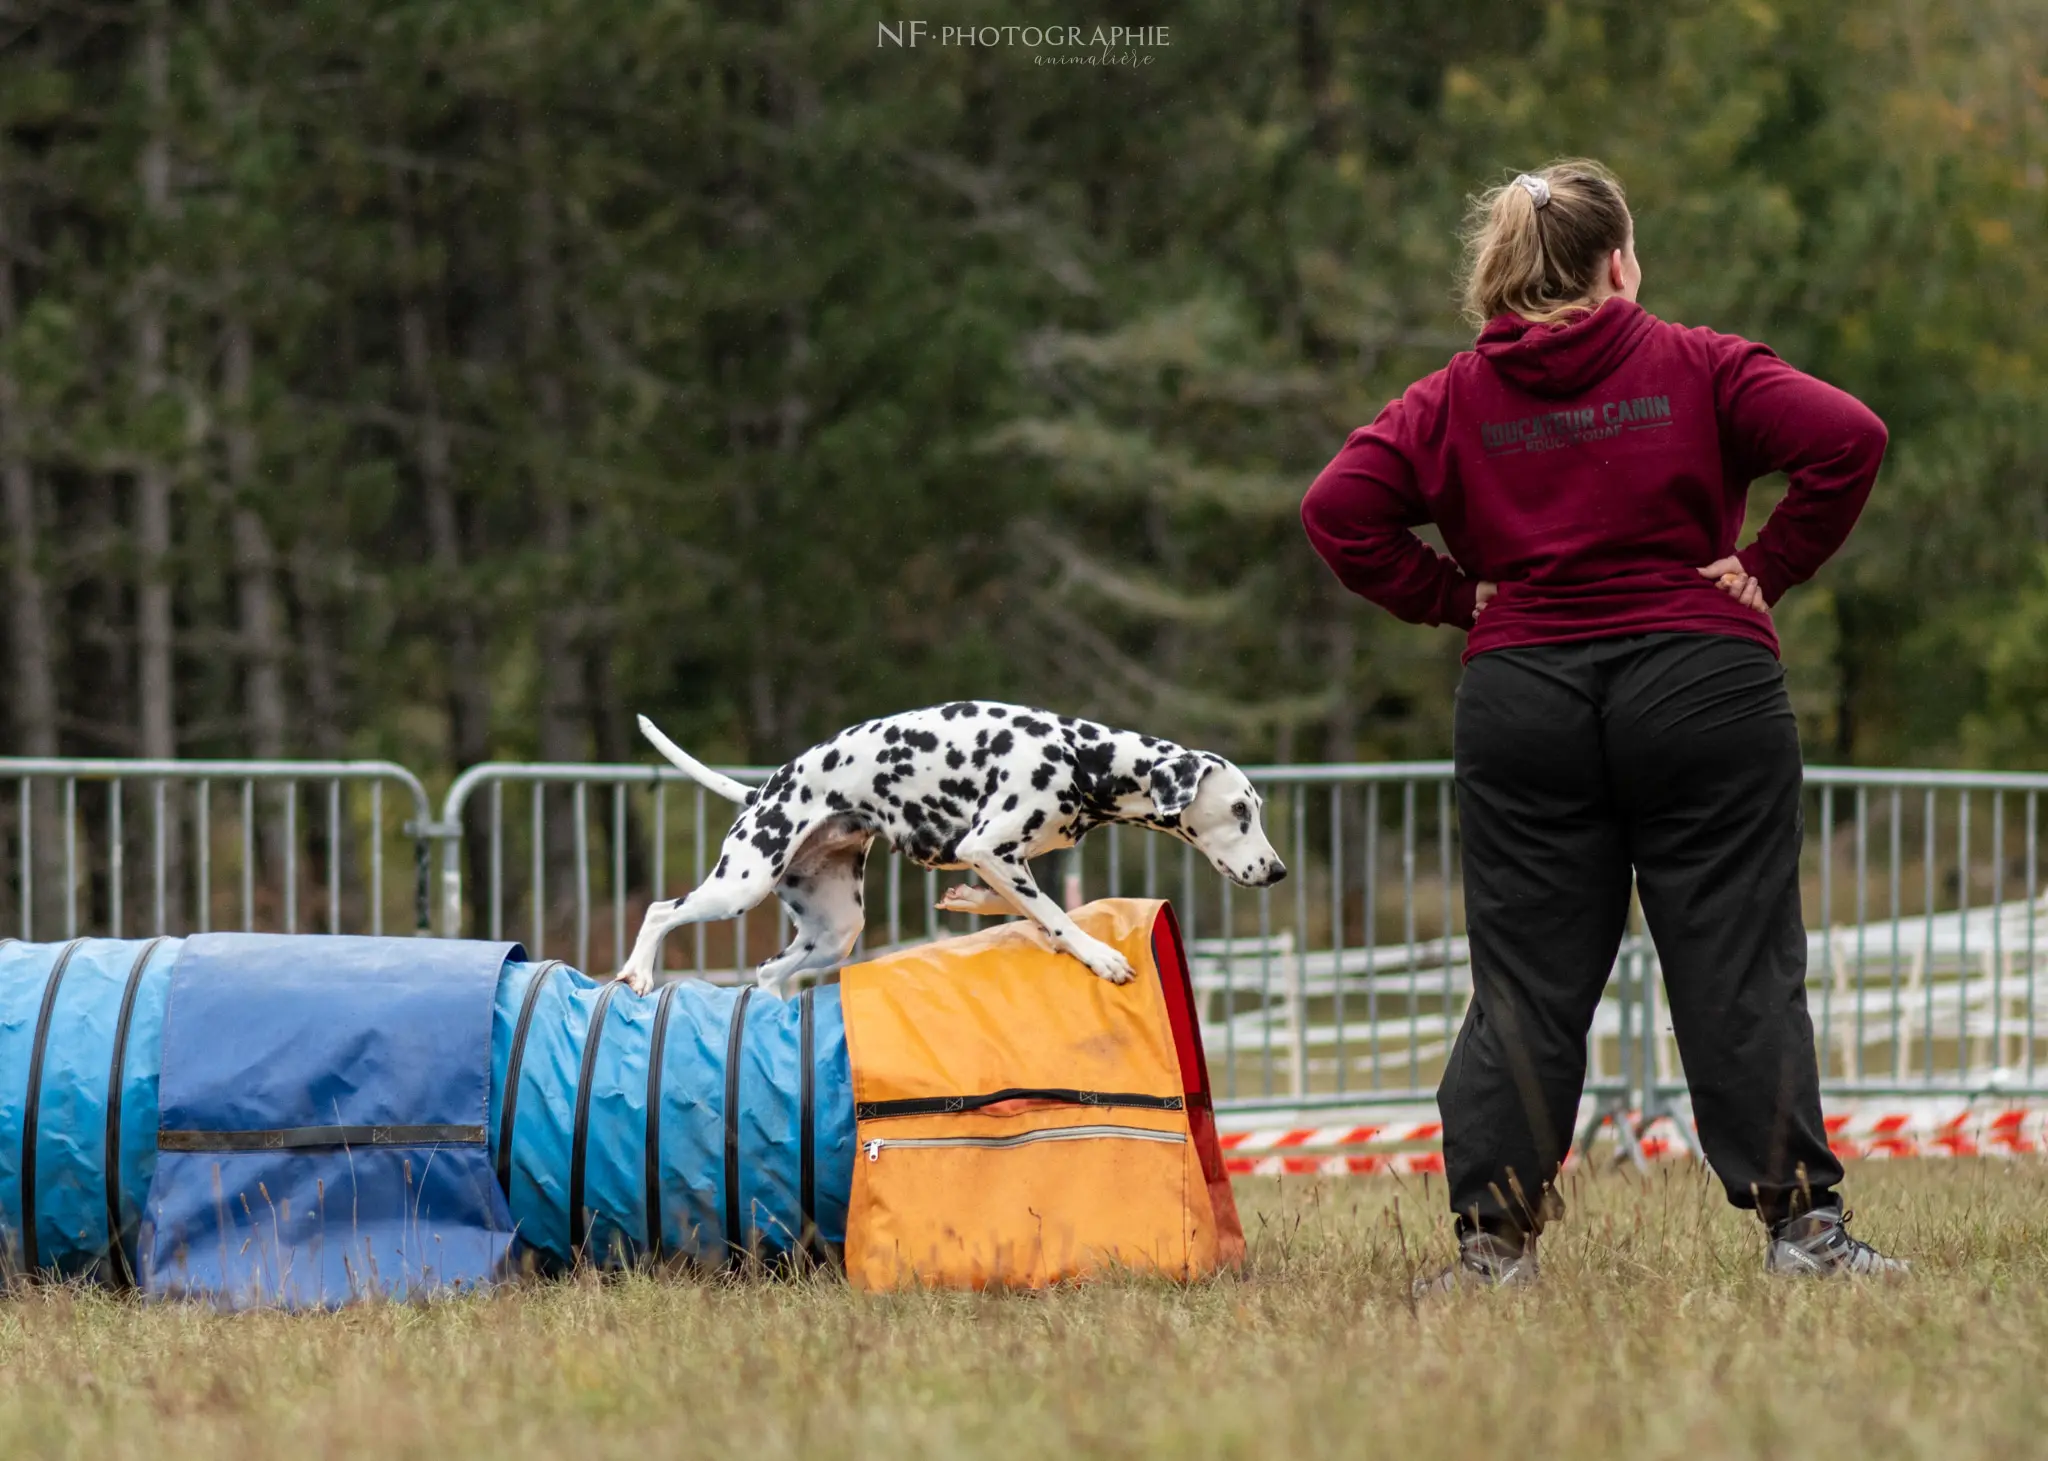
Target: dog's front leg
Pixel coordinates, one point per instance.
(1013, 883)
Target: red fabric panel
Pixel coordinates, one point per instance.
(1177, 985)
(1171, 957)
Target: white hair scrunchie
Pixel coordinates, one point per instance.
(1539, 189)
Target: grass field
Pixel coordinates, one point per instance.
(1654, 1335)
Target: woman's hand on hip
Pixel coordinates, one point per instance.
(1736, 581)
(1486, 592)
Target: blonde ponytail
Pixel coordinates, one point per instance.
(1534, 246)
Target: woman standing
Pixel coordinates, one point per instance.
(1622, 716)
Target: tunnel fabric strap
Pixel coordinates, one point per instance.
(579, 1140)
(734, 1238)
(508, 1118)
(318, 1138)
(32, 1111)
(807, 1118)
(655, 1054)
(1064, 1095)
(118, 1268)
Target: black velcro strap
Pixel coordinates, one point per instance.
(658, 1049)
(509, 1116)
(807, 1119)
(579, 1139)
(942, 1105)
(733, 1046)
(121, 1275)
(32, 1109)
(314, 1138)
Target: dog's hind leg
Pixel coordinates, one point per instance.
(824, 898)
(966, 898)
(1011, 881)
(741, 880)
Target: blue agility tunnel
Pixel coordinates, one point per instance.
(304, 1120)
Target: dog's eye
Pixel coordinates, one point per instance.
(1241, 812)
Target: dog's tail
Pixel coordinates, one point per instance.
(691, 767)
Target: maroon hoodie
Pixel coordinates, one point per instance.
(1590, 469)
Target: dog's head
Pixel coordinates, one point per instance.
(1212, 806)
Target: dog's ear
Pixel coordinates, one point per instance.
(1174, 782)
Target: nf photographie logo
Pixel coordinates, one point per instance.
(1051, 45)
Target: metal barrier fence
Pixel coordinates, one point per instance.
(584, 846)
(1342, 987)
(126, 848)
(1345, 985)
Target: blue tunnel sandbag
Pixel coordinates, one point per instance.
(323, 1110)
(79, 1010)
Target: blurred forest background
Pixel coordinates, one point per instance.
(450, 381)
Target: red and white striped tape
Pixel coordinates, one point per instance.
(1283, 1152)
(2020, 1131)
(1355, 1165)
(1930, 1130)
(1316, 1138)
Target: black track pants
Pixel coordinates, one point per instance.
(1675, 757)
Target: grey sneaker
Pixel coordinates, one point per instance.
(1485, 1261)
(1817, 1245)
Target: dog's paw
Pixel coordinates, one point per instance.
(1106, 963)
(637, 980)
(966, 898)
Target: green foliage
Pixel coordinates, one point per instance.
(722, 362)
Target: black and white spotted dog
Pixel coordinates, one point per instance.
(971, 785)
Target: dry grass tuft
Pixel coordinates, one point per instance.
(1654, 1335)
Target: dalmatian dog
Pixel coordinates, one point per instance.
(972, 785)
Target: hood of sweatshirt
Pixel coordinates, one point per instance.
(1568, 358)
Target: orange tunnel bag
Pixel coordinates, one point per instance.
(1022, 1122)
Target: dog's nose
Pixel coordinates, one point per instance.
(1276, 872)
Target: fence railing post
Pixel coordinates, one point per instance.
(96, 842)
(448, 835)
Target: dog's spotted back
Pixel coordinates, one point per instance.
(972, 784)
